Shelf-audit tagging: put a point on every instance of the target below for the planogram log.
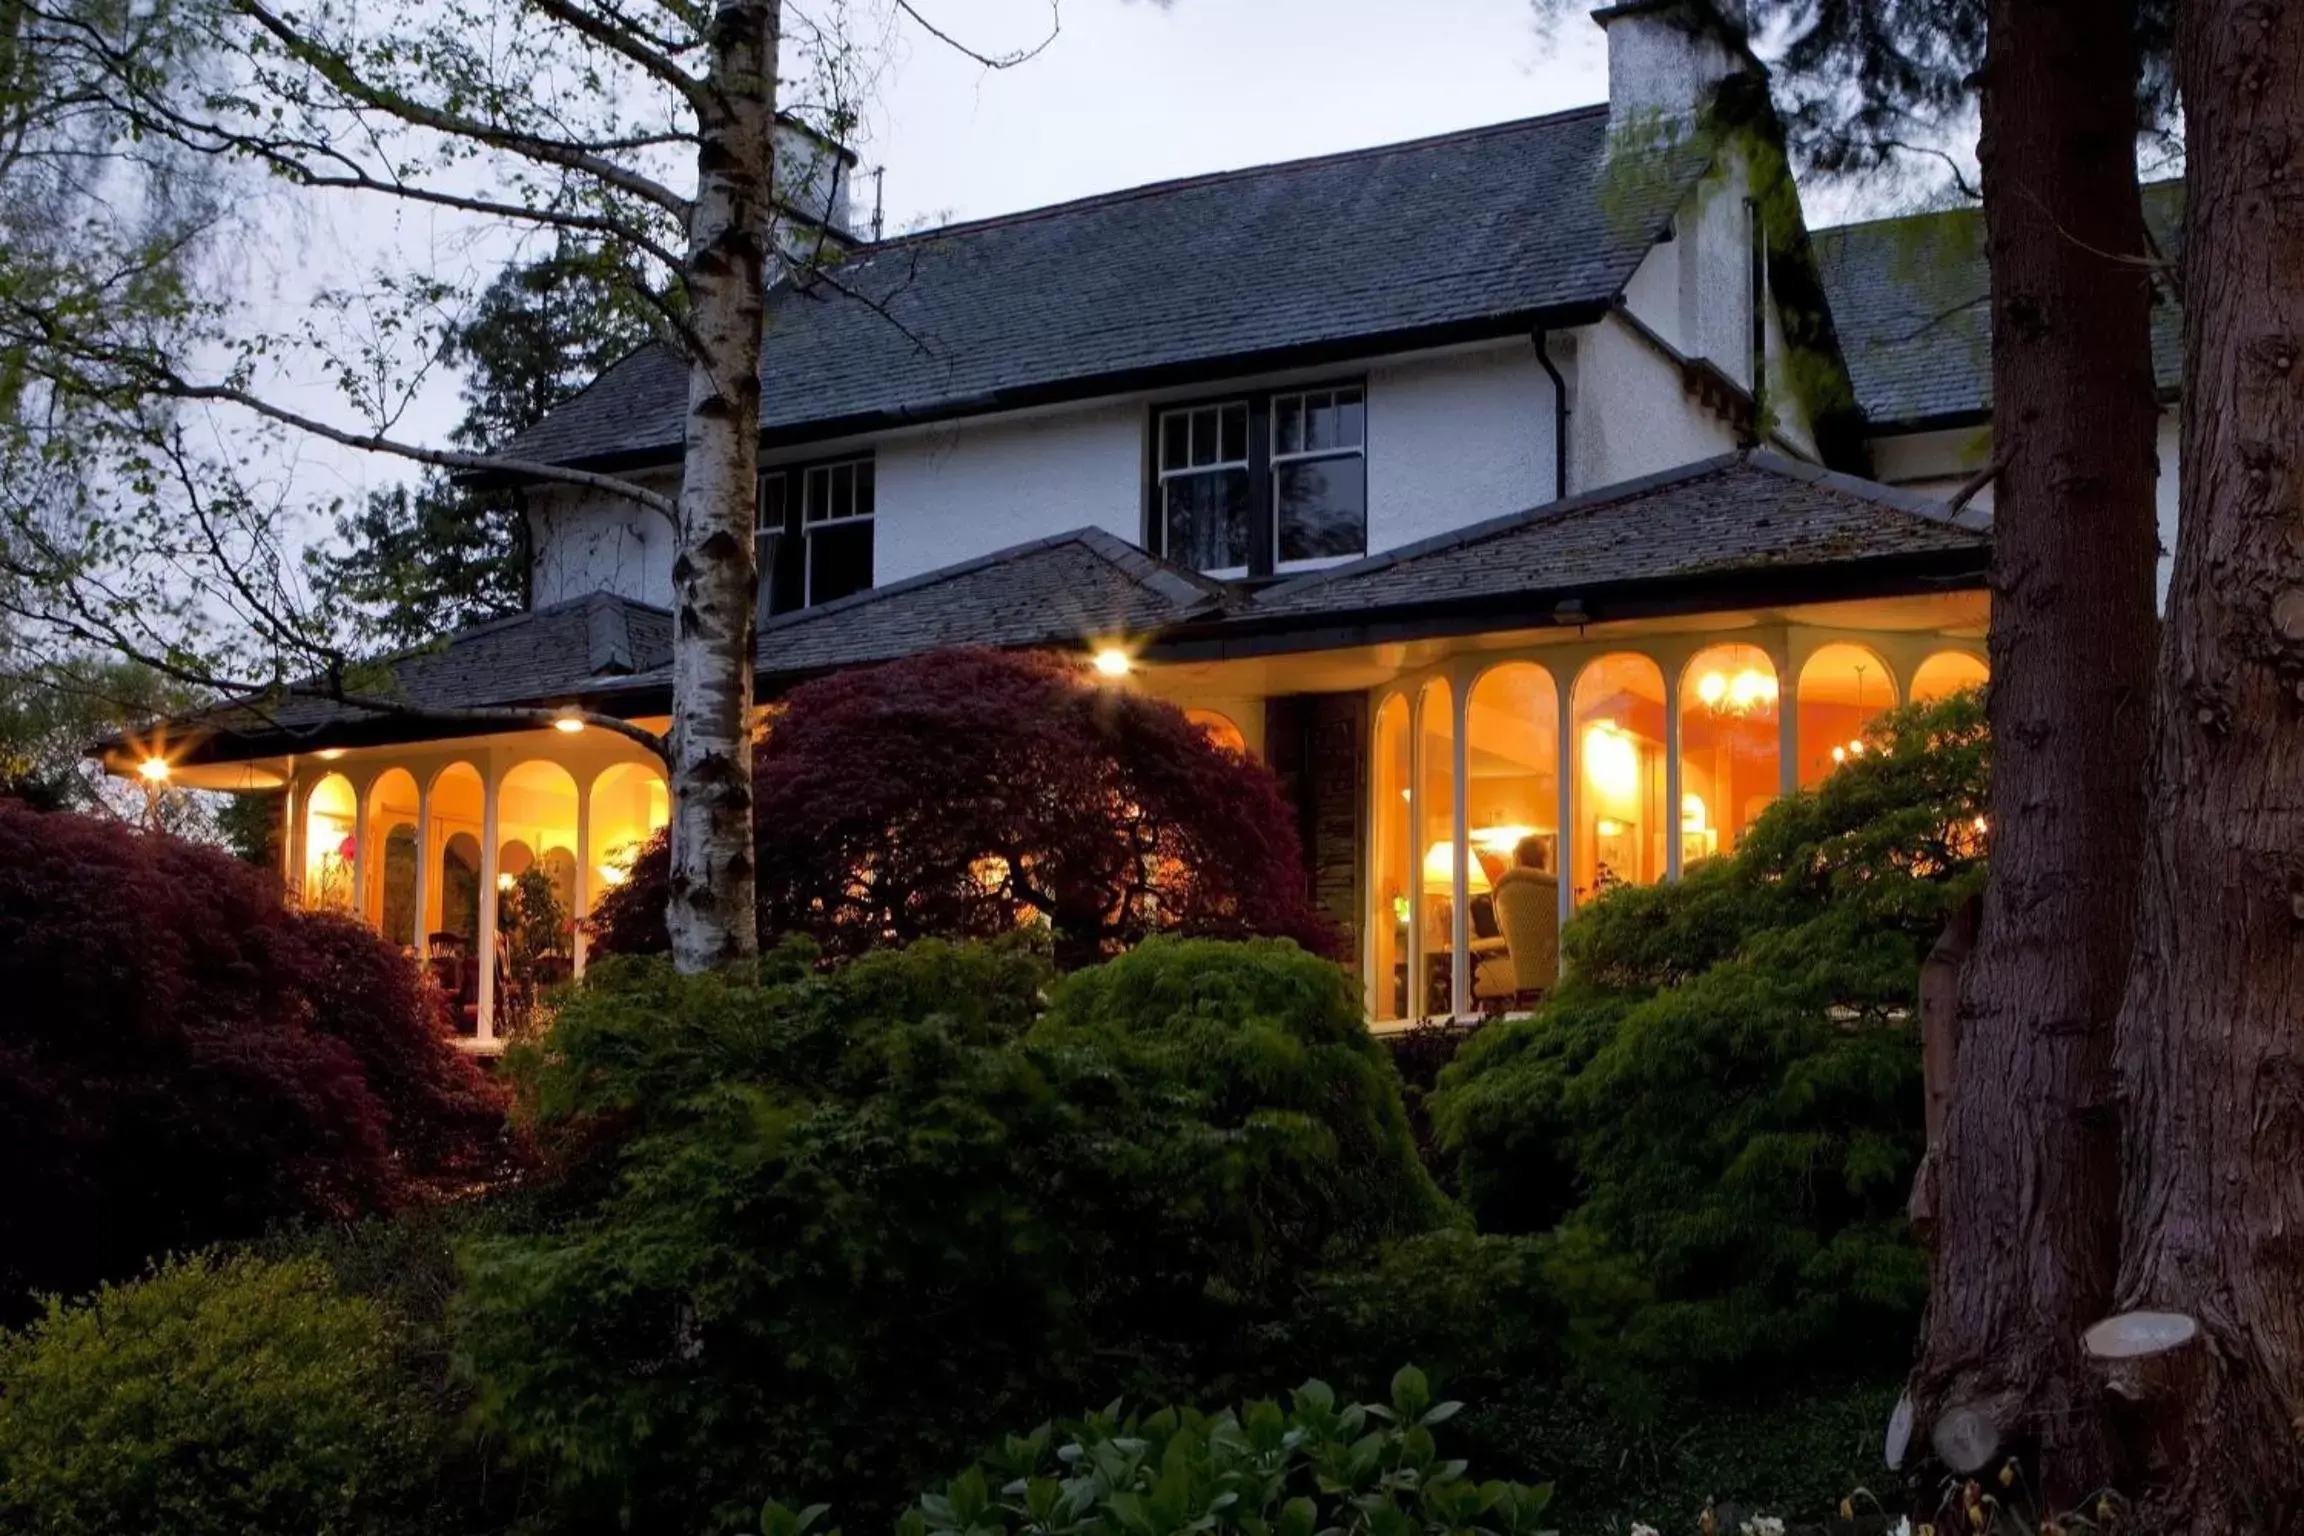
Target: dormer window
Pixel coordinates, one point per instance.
(815, 532)
(1262, 483)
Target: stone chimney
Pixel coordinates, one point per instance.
(1665, 56)
(813, 211)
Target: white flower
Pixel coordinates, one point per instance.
(1763, 1525)
(1903, 1526)
(1641, 1530)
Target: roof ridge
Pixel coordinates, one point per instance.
(1828, 230)
(1218, 178)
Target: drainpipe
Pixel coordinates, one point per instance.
(1759, 322)
(1559, 417)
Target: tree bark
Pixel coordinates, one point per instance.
(2211, 1039)
(2027, 1183)
(714, 574)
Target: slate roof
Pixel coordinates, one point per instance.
(1485, 232)
(1909, 298)
(584, 646)
(1741, 512)
(1064, 590)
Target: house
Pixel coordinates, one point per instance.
(1517, 495)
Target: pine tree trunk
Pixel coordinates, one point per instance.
(2211, 1040)
(2027, 1182)
(714, 573)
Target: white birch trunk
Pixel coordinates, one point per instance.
(714, 575)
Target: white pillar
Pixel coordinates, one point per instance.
(290, 866)
(583, 873)
(1564, 682)
(1673, 792)
(1460, 877)
(423, 896)
(1787, 724)
(487, 944)
(361, 863)
(1412, 964)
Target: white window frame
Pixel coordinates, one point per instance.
(811, 521)
(1280, 460)
(1246, 464)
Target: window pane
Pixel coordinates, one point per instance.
(839, 561)
(1235, 434)
(1288, 424)
(812, 495)
(842, 501)
(865, 492)
(782, 574)
(1175, 440)
(772, 508)
(1203, 438)
(1390, 880)
(1436, 813)
(1323, 506)
(1512, 812)
(1618, 830)
(1320, 421)
(1207, 522)
(1351, 419)
(1843, 689)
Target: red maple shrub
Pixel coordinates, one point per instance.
(962, 793)
(184, 1059)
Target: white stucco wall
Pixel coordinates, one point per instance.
(1632, 414)
(1695, 289)
(1456, 438)
(588, 541)
(1939, 463)
(964, 489)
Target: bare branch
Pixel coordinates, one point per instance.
(989, 60)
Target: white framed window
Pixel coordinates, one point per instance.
(1263, 483)
(815, 531)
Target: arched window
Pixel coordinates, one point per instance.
(1219, 729)
(536, 812)
(1843, 689)
(1946, 673)
(1728, 746)
(1619, 821)
(331, 815)
(629, 804)
(453, 906)
(1391, 890)
(1436, 832)
(391, 892)
(1512, 817)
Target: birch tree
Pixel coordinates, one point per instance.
(645, 127)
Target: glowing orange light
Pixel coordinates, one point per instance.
(568, 724)
(154, 769)
(1112, 661)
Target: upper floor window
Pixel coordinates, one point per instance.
(1258, 484)
(815, 532)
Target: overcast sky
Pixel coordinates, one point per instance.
(1132, 91)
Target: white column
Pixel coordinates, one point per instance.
(361, 863)
(583, 871)
(423, 896)
(1673, 793)
(290, 866)
(1412, 964)
(1787, 724)
(1460, 877)
(1565, 682)
(487, 944)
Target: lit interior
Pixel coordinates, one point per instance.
(1618, 718)
(1843, 689)
(1946, 673)
(1729, 735)
(331, 813)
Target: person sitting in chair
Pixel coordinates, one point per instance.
(1519, 968)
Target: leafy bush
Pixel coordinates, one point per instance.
(958, 794)
(1354, 1470)
(218, 1395)
(185, 1060)
(827, 1231)
(1716, 1117)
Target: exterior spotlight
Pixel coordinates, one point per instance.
(330, 754)
(567, 723)
(154, 769)
(1111, 661)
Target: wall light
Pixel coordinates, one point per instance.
(1611, 761)
(568, 724)
(154, 769)
(1112, 661)
(330, 754)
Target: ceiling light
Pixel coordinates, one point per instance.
(330, 754)
(568, 723)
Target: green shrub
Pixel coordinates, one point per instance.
(827, 1231)
(1716, 1118)
(226, 1395)
(1354, 1470)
